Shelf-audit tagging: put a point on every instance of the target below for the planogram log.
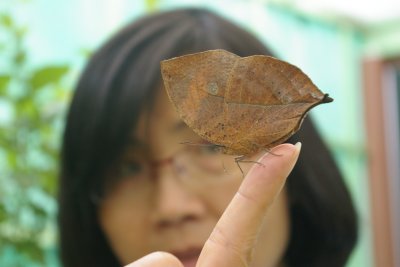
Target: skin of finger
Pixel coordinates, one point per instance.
(232, 240)
(157, 259)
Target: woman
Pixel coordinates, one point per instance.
(129, 188)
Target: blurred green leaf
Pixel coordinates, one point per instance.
(19, 57)
(47, 75)
(12, 160)
(3, 213)
(5, 20)
(4, 81)
(49, 183)
(151, 5)
(39, 211)
(21, 31)
(85, 52)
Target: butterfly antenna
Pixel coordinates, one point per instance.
(199, 144)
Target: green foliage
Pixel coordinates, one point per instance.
(47, 76)
(4, 81)
(32, 107)
(151, 5)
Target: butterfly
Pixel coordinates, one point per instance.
(241, 104)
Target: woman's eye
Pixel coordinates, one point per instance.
(131, 168)
(208, 149)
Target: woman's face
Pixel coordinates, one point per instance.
(162, 199)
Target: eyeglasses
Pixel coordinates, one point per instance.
(194, 165)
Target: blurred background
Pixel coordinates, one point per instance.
(350, 49)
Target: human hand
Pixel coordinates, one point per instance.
(232, 241)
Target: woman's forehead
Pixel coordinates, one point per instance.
(162, 118)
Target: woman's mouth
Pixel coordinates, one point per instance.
(188, 257)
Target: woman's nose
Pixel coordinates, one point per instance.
(174, 203)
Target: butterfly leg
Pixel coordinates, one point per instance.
(241, 159)
(270, 152)
(266, 150)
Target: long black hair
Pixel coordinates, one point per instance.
(120, 81)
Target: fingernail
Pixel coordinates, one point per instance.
(298, 146)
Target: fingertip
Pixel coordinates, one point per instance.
(270, 175)
(296, 153)
(282, 150)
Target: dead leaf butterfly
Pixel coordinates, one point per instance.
(241, 104)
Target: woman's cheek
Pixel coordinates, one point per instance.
(120, 221)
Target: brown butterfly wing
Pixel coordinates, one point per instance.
(196, 86)
(243, 104)
(271, 98)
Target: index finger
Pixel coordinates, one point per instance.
(233, 238)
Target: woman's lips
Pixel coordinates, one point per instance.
(188, 257)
